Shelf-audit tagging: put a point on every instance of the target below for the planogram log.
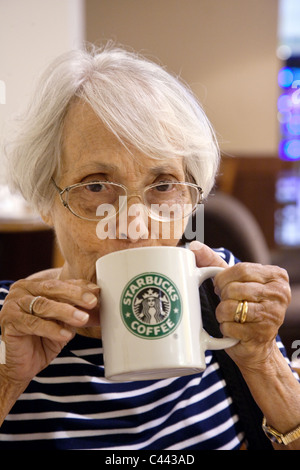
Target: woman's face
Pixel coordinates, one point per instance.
(91, 152)
(151, 302)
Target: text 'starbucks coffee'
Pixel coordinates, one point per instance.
(150, 314)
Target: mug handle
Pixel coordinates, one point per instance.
(210, 342)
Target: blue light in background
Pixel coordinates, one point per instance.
(284, 103)
(293, 125)
(287, 215)
(291, 149)
(288, 106)
(285, 77)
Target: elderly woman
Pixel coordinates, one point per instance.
(110, 121)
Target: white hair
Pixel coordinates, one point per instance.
(135, 98)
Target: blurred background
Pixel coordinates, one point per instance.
(242, 60)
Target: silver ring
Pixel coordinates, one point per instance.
(2, 352)
(32, 304)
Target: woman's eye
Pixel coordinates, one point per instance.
(163, 187)
(95, 187)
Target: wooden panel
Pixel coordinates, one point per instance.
(252, 180)
(24, 253)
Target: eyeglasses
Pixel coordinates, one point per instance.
(164, 201)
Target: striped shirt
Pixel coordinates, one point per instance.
(70, 405)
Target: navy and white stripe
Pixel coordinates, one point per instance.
(70, 405)
(5, 285)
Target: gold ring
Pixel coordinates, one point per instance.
(240, 315)
(32, 304)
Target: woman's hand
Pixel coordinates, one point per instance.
(267, 291)
(33, 340)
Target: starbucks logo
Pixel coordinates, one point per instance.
(151, 306)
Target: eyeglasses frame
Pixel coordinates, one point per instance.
(153, 185)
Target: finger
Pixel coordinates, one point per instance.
(85, 284)
(50, 309)
(21, 324)
(225, 311)
(205, 256)
(252, 272)
(271, 293)
(74, 292)
(249, 334)
(262, 319)
(251, 291)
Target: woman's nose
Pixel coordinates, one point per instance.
(133, 220)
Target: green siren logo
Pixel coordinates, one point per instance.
(151, 306)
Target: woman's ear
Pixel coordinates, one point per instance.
(47, 218)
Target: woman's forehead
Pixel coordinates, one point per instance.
(84, 130)
(89, 145)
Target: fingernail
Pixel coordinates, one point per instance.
(196, 245)
(81, 316)
(92, 286)
(66, 333)
(89, 298)
(217, 291)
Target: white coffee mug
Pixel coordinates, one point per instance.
(150, 314)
